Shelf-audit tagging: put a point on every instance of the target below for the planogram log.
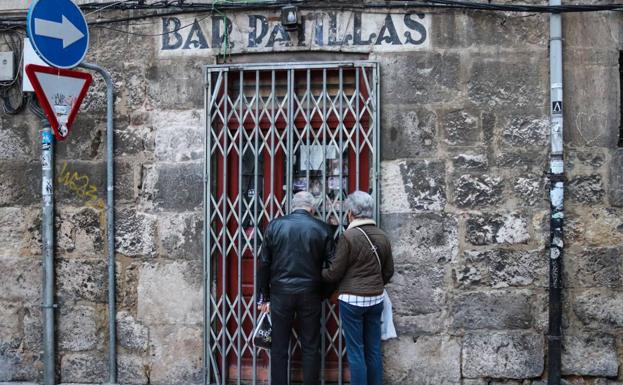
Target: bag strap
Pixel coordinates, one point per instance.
(372, 247)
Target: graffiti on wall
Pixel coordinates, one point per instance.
(347, 31)
(81, 187)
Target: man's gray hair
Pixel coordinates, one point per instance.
(303, 200)
(360, 204)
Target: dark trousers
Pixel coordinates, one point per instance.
(362, 330)
(307, 308)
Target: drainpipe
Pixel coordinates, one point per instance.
(556, 175)
(110, 224)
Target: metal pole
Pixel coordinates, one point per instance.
(556, 200)
(47, 187)
(110, 223)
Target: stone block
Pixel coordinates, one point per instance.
(493, 82)
(127, 277)
(592, 119)
(448, 30)
(83, 183)
(82, 280)
(131, 334)
(604, 381)
(170, 293)
(135, 233)
(168, 88)
(522, 161)
(86, 140)
(408, 131)
(586, 189)
(418, 289)
(179, 135)
(487, 229)
(134, 140)
(477, 191)
(531, 190)
(84, 368)
(132, 370)
(615, 179)
(594, 267)
(17, 366)
(21, 279)
(429, 360)
(426, 239)
(181, 235)
(136, 84)
(423, 186)
(80, 231)
(605, 227)
(589, 355)
(77, 330)
(470, 162)
(10, 318)
(176, 355)
(174, 187)
(526, 131)
(21, 183)
(590, 30)
(435, 78)
(32, 328)
(513, 355)
(13, 226)
(461, 128)
(491, 310)
(17, 140)
(421, 324)
(501, 29)
(582, 159)
(502, 268)
(599, 308)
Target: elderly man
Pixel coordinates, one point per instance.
(295, 248)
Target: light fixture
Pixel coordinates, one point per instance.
(290, 17)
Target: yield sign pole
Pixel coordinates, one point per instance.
(47, 239)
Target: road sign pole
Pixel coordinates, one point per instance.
(48, 305)
(110, 221)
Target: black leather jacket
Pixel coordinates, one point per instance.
(295, 249)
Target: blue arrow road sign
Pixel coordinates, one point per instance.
(58, 32)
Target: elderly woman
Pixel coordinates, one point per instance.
(363, 264)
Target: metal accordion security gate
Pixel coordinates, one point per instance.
(273, 130)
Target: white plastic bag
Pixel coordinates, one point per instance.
(262, 335)
(387, 320)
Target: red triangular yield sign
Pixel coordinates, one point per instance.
(60, 93)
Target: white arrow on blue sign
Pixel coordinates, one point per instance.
(58, 31)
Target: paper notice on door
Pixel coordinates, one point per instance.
(313, 156)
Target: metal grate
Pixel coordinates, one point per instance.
(273, 130)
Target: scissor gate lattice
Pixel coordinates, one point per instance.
(273, 130)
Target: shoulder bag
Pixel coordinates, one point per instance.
(387, 320)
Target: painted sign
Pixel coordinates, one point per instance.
(347, 31)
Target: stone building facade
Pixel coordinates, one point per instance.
(464, 195)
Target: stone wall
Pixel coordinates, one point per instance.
(465, 140)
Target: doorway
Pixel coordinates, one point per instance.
(273, 130)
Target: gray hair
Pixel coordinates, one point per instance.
(360, 204)
(303, 200)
